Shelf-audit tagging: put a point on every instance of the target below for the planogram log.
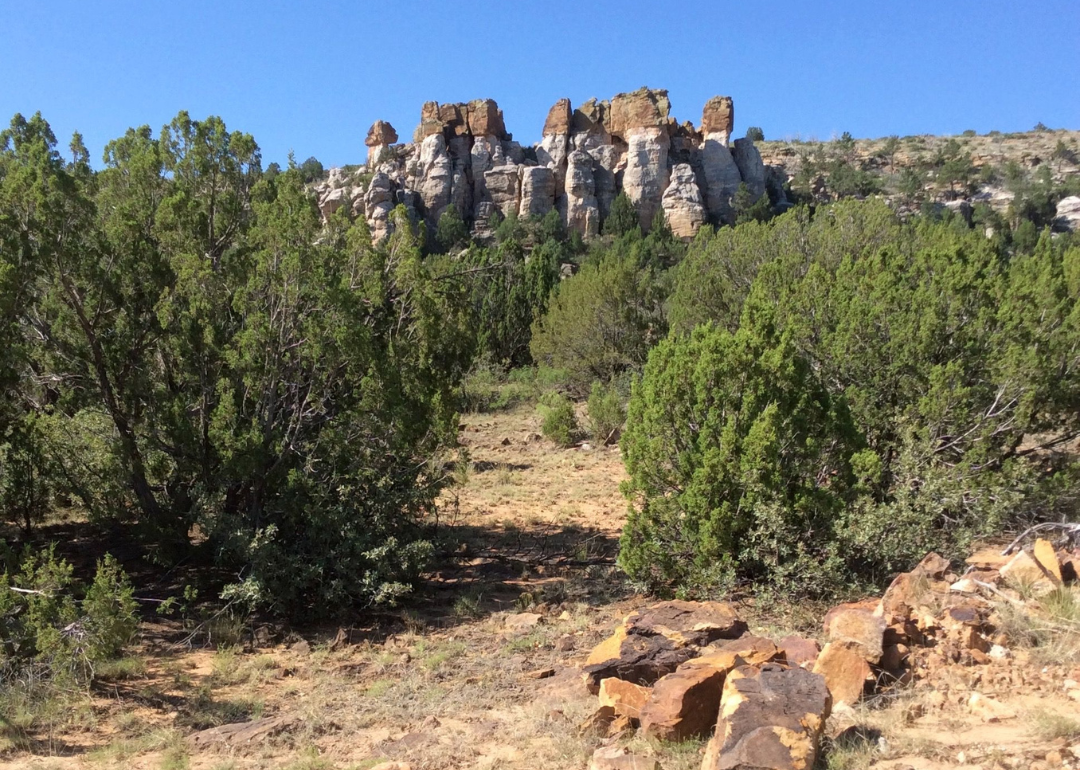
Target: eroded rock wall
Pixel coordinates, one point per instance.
(462, 156)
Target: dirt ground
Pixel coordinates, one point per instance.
(482, 670)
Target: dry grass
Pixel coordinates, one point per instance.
(1048, 627)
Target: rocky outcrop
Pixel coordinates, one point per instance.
(751, 169)
(1068, 214)
(462, 156)
(379, 138)
(718, 118)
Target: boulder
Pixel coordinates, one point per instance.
(625, 697)
(751, 169)
(687, 623)
(640, 660)
(770, 717)
(845, 672)
(799, 651)
(620, 758)
(1068, 214)
(537, 191)
(684, 704)
(858, 629)
(646, 175)
(380, 132)
(682, 202)
(718, 118)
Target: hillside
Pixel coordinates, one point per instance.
(463, 159)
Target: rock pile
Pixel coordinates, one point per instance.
(462, 156)
(680, 670)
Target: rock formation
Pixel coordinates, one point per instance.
(462, 156)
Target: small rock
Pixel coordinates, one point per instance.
(523, 621)
(1025, 570)
(988, 709)
(1054, 758)
(1046, 557)
(859, 630)
(541, 673)
(626, 698)
(392, 766)
(565, 643)
(598, 722)
(620, 758)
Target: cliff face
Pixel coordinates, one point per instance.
(462, 156)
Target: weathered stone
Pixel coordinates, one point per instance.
(751, 169)
(646, 174)
(435, 176)
(332, 201)
(859, 630)
(244, 733)
(558, 118)
(378, 203)
(988, 709)
(845, 672)
(625, 697)
(598, 722)
(1068, 214)
(687, 623)
(1023, 569)
(684, 208)
(683, 704)
(718, 118)
(634, 658)
(771, 717)
(380, 132)
(755, 650)
(537, 191)
(644, 108)
(582, 213)
(523, 621)
(620, 758)
(988, 558)
(799, 651)
(1046, 556)
(502, 184)
(484, 118)
(722, 178)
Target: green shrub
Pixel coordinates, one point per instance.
(44, 626)
(728, 439)
(755, 134)
(606, 413)
(558, 421)
(600, 323)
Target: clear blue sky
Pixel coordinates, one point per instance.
(311, 75)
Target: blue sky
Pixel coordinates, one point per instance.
(311, 75)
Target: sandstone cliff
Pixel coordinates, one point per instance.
(462, 156)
